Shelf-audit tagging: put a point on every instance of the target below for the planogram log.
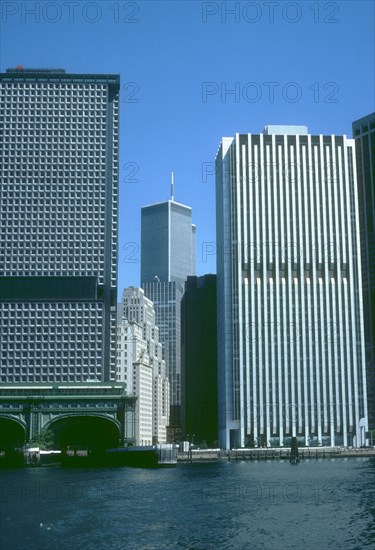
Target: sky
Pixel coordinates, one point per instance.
(193, 72)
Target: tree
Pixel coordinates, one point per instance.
(45, 440)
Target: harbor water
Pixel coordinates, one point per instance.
(317, 504)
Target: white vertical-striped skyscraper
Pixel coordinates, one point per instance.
(290, 321)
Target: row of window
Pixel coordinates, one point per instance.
(77, 204)
(63, 113)
(28, 253)
(62, 86)
(69, 173)
(67, 134)
(74, 203)
(42, 308)
(81, 187)
(64, 149)
(75, 329)
(51, 101)
(57, 94)
(61, 121)
(48, 363)
(53, 359)
(38, 224)
(52, 251)
(54, 86)
(55, 346)
(42, 320)
(37, 123)
(45, 98)
(48, 312)
(69, 158)
(34, 377)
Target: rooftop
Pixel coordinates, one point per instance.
(281, 129)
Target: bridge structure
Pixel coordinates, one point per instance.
(76, 413)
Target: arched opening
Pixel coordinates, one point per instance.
(86, 432)
(12, 440)
(12, 434)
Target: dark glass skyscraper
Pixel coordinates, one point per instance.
(58, 225)
(199, 406)
(167, 258)
(364, 135)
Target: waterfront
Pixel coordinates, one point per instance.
(226, 505)
(203, 455)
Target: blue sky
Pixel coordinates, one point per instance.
(308, 63)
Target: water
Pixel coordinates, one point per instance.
(318, 504)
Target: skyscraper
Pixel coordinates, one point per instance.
(58, 232)
(199, 407)
(290, 321)
(167, 258)
(141, 366)
(364, 135)
(167, 242)
(134, 369)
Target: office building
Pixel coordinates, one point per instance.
(167, 258)
(141, 366)
(167, 242)
(58, 225)
(199, 404)
(364, 135)
(134, 369)
(290, 321)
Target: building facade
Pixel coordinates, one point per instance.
(167, 258)
(166, 297)
(364, 135)
(290, 320)
(133, 369)
(58, 226)
(94, 414)
(199, 403)
(167, 242)
(141, 366)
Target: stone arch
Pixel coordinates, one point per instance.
(12, 438)
(93, 430)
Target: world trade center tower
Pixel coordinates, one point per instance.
(167, 259)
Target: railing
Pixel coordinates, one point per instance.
(196, 455)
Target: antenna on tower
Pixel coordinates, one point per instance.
(172, 188)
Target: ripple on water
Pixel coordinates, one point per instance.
(230, 506)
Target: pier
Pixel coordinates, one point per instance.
(214, 455)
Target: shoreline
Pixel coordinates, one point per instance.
(215, 455)
(206, 456)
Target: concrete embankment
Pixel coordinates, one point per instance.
(214, 455)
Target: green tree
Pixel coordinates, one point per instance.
(45, 440)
